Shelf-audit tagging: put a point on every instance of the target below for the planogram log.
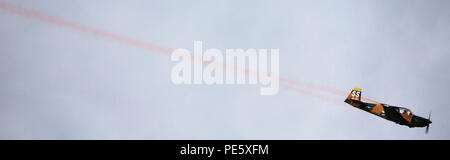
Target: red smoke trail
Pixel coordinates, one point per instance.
(309, 93)
(63, 23)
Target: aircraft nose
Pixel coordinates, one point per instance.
(428, 121)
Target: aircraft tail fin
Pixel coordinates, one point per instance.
(354, 96)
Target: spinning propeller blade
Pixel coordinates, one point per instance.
(428, 126)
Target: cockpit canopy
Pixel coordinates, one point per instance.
(404, 111)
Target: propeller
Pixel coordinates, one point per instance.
(428, 126)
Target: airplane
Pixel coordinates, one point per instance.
(399, 115)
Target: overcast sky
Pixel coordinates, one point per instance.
(61, 83)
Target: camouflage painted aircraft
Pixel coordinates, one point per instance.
(399, 115)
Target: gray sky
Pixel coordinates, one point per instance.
(60, 83)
